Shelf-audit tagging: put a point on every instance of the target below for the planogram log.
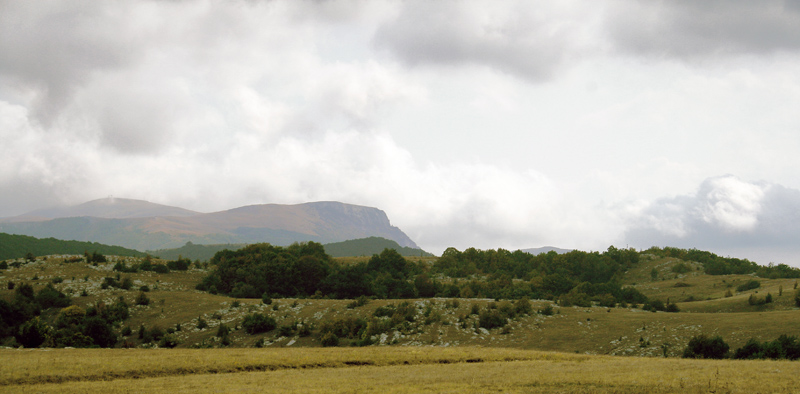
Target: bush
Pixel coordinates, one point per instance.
(704, 347)
(201, 323)
(265, 298)
(49, 297)
(547, 311)
(168, 341)
(492, 318)
(258, 323)
(329, 340)
(681, 268)
(749, 285)
(142, 299)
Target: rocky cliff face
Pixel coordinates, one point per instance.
(145, 226)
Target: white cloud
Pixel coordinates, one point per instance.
(477, 123)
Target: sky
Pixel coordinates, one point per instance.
(514, 124)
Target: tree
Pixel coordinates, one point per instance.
(702, 346)
(33, 333)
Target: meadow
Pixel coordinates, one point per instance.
(385, 369)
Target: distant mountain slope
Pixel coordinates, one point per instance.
(17, 246)
(110, 208)
(130, 223)
(546, 249)
(354, 247)
(370, 246)
(194, 251)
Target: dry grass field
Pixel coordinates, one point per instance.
(385, 369)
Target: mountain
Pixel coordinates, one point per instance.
(17, 246)
(546, 249)
(142, 225)
(111, 208)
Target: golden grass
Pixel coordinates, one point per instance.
(362, 370)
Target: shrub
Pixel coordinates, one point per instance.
(49, 297)
(704, 347)
(160, 269)
(201, 323)
(100, 331)
(547, 310)
(258, 323)
(265, 298)
(223, 331)
(244, 290)
(32, 333)
(751, 350)
(168, 341)
(126, 284)
(728, 293)
(329, 340)
(286, 330)
(492, 318)
(142, 299)
(749, 285)
(681, 268)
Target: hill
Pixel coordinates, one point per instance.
(355, 247)
(193, 251)
(459, 312)
(370, 246)
(145, 226)
(17, 246)
(546, 249)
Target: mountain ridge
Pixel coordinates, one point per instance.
(142, 225)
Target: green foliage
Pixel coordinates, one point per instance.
(33, 333)
(201, 323)
(262, 268)
(179, 264)
(749, 285)
(329, 339)
(785, 347)
(257, 323)
(49, 297)
(346, 327)
(704, 347)
(142, 299)
(681, 268)
(492, 318)
(360, 301)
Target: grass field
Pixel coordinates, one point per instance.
(385, 369)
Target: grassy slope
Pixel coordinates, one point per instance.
(616, 331)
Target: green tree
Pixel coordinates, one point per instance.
(702, 346)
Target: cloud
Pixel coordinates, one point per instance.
(688, 29)
(532, 43)
(726, 214)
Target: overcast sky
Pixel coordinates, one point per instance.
(471, 123)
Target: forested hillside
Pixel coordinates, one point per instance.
(18, 246)
(369, 246)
